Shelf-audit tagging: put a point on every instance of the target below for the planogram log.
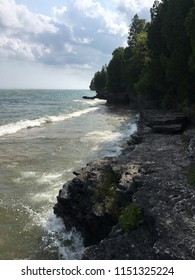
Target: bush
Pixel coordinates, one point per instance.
(191, 177)
(130, 218)
(105, 194)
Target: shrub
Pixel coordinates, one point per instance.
(191, 177)
(105, 194)
(130, 218)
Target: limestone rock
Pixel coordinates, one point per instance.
(152, 174)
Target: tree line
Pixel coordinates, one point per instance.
(158, 62)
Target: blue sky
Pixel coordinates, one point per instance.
(61, 43)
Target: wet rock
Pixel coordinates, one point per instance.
(89, 97)
(135, 139)
(79, 206)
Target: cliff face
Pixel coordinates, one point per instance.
(140, 204)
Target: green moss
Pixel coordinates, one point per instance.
(105, 193)
(191, 176)
(130, 218)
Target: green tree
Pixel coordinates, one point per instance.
(170, 49)
(137, 26)
(137, 62)
(115, 72)
(175, 62)
(99, 81)
(135, 54)
(190, 28)
(154, 11)
(159, 61)
(92, 84)
(154, 83)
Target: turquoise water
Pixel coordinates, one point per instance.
(44, 136)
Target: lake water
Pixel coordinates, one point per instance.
(44, 136)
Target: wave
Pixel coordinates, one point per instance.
(12, 128)
(92, 102)
(107, 141)
(68, 244)
(103, 136)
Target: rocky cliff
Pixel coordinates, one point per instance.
(119, 98)
(141, 204)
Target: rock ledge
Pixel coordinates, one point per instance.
(151, 172)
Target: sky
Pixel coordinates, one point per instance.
(61, 43)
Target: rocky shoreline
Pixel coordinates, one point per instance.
(140, 204)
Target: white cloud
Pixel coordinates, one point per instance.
(83, 40)
(19, 18)
(134, 5)
(68, 48)
(80, 35)
(16, 48)
(58, 14)
(111, 19)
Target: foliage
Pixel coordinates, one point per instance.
(105, 194)
(190, 27)
(115, 71)
(92, 84)
(130, 218)
(159, 60)
(191, 177)
(99, 80)
(137, 62)
(137, 26)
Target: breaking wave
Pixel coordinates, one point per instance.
(12, 128)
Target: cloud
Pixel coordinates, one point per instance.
(16, 48)
(17, 18)
(19, 29)
(81, 34)
(135, 6)
(93, 28)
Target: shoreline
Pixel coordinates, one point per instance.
(147, 184)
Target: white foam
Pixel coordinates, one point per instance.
(69, 244)
(12, 128)
(48, 177)
(55, 238)
(28, 174)
(92, 102)
(103, 136)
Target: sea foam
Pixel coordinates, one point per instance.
(12, 128)
(56, 236)
(91, 102)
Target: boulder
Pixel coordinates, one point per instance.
(78, 202)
